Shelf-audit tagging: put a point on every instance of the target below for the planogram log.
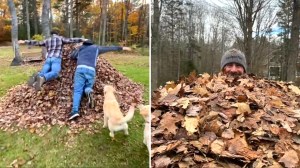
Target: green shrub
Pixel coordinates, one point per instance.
(38, 37)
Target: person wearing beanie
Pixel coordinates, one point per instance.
(85, 73)
(52, 66)
(233, 62)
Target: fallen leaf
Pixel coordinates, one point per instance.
(290, 159)
(193, 110)
(168, 122)
(217, 146)
(228, 134)
(162, 162)
(242, 108)
(202, 91)
(295, 89)
(259, 132)
(191, 124)
(239, 146)
(175, 90)
(183, 102)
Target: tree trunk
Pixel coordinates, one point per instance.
(27, 20)
(67, 28)
(125, 26)
(155, 45)
(292, 61)
(51, 17)
(122, 22)
(45, 18)
(246, 13)
(77, 32)
(104, 20)
(35, 18)
(71, 18)
(45, 23)
(14, 34)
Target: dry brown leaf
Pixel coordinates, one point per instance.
(183, 102)
(202, 91)
(274, 129)
(259, 132)
(242, 108)
(290, 159)
(217, 146)
(244, 81)
(175, 90)
(193, 111)
(162, 162)
(191, 124)
(228, 134)
(295, 89)
(239, 146)
(286, 126)
(168, 122)
(182, 148)
(170, 84)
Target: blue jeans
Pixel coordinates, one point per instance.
(83, 81)
(51, 68)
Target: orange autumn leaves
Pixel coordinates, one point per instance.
(219, 121)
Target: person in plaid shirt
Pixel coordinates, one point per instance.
(52, 65)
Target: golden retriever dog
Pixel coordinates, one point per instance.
(145, 112)
(113, 117)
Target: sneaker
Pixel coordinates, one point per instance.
(32, 79)
(73, 116)
(39, 82)
(91, 102)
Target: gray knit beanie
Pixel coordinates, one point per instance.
(234, 56)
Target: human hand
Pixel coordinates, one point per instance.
(21, 42)
(127, 48)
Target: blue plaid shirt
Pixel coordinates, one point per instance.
(54, 44)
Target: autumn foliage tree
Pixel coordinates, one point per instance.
(82, 18)
(5, 26)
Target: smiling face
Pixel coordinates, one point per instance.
(233, 69)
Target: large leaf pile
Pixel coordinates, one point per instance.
(218, 121)
(23, 107)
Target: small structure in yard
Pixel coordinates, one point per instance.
(32, 57)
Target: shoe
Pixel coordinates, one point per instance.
(73, 116)
(39, 82)
(91, 102)
(32, 79)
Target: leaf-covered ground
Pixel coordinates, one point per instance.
(23, 107)
(218, 121)
(60, 147)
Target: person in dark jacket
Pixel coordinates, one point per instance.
(52, 65)
(85, 72)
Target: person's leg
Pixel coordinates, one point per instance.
(79, 82)
(32, 79)
(90, 80)
(46, 67)
(55, 69)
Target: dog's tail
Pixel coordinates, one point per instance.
(129, 115)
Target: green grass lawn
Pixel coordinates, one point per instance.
(59, 148)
